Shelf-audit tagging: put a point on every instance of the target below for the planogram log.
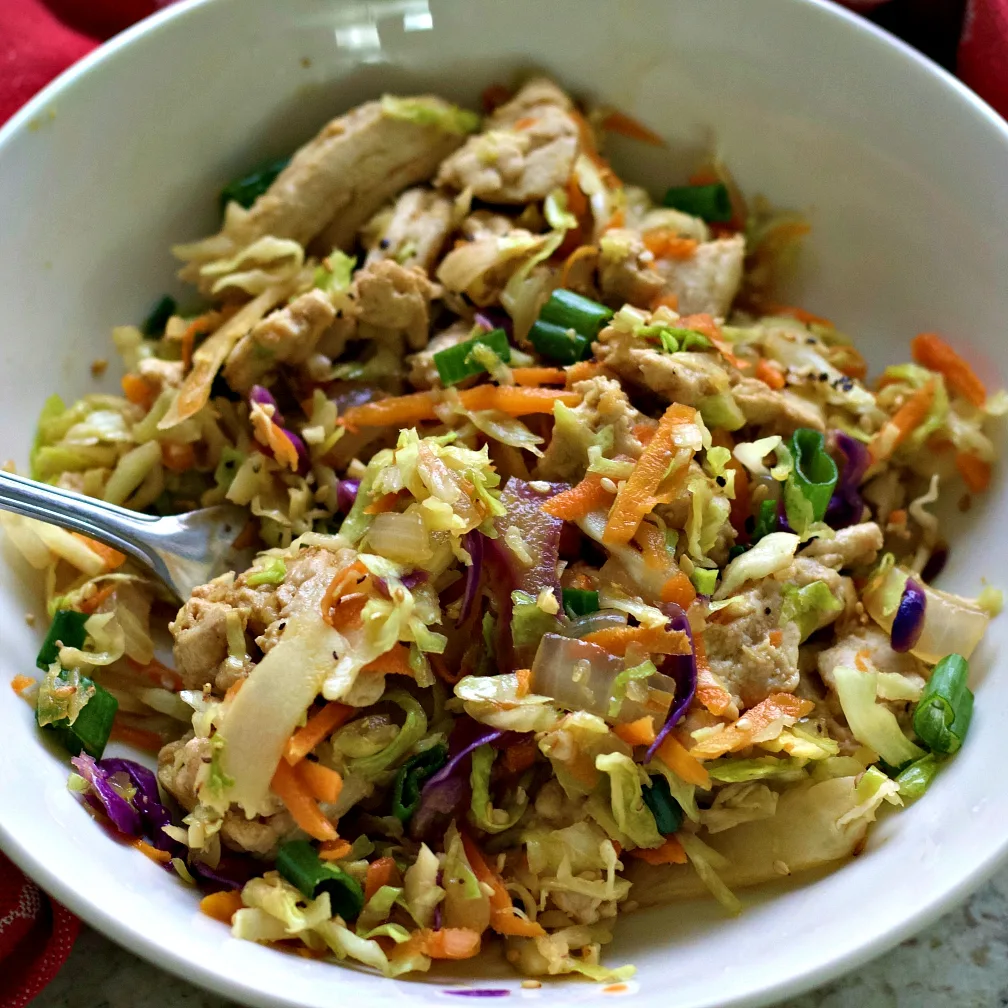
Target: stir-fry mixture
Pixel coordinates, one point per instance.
(588, 576)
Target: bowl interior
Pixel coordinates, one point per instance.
(807, 106)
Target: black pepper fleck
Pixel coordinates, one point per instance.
(824, 377)
(767, 611)
(384, 243)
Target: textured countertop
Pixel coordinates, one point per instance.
(959, 962)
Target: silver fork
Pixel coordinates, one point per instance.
(183, 550)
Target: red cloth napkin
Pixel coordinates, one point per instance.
(37, 41)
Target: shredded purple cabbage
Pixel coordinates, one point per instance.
(472, 543)
(304, 462)
(122, 814)
(846, 506)
(264, 397)
(494, 318)
(232, 871)
(681, 668)
(414, 578)
(908, 623)
(346, 494)
(438, 916)
(147, 801)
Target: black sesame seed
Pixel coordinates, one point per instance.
(384, 243)
(824, 377)
(767, 611)
(721, 481)
(810, 339)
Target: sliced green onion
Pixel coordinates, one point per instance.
(917, 777)
(67, 628)
(766, 520)
(411, 776)
(91, 728)
(943, 712)
(815, 473)
(711, 202)
(248, 188)
(559, 344)
(666, 810)
(691, 340)
(572, 311)
(457, 363)
(302, 867)
(157, 317)
(579, 601)
(704, 580)
(273, 572)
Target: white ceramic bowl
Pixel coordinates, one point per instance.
(905, 177)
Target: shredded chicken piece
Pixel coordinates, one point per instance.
(413, 231)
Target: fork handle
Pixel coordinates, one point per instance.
(124, 530)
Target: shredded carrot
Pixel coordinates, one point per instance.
(380, 872)
(524, 677)
(639, 732)
(704, 323)
(848, 360)
(582, 498)
(582, 371)
(664, 243)
(654, 640)
(620, 122)
(248, 536)
(318, 727)
(111, 557)
(617, 220)
(803, 316)
(223, 905)
(161, 857)
(441, 670)
(652, 544)
(676, 757)
(494, 96)
(665, 301)
(516, 401)
(158, 673)
(274, 437)
(384, 504)
(345, 615)
(581, 252)
(862, 660)
(446, 943)
(637, 496)
(898, 516)
(21, 682)
(679, 589)
(138, 390)
(577, 202)
(538, 376)
(933, 352)
(769, 374)
(232, 691)
(526, 122)
(520, 756)
(334, 850)
(976, 473)
(198, 326)
(344, 580)
(319, 781)
(644, 431)
(395, 661)
(287, 786)
(709, 692)
(776, 638)
(752, 725)
(89, 605)
(670, 852)
(140, 738)
(503, 919)
(906, 419)
(177, 457)
(397, 411)
(590, 150)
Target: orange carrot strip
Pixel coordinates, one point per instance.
(320, 781)
(754, 722)
(395, 661)
(639, 732)
(636, 497)
(538, 376)
(652, 544)
(664, 243)
(201, 324)
(582, 370)
(704, 323)
(399, 411)
(676, 757)
(654, 640)
(620, 122)
(803, 316)
(334, 850)
(617, 220)
(503, 919)
(710, 693)
(644, 431)
(302, 806)
(976, 473)
(222, 905)
(898, 516)
(112, 557)
(526, 122)
(21, 682)
(897, 428)
(679, 589)
(447, 943)
(318, 727)
(933, 352)
(665, 301)
(577, 202)
(158, 673)
(138, 390)
(589, 149)
(518, 757)
(583, 497)
(776, 638)
(524, 677)
(380, 872)
(670, 852)
(177, 457)
(441, 670)
(157, 856)
(89, 605)
(516, 401)
(140, 738)
(769, 374)
(232, 691)
(384, 504)
(579, 253)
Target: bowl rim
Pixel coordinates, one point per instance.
(194, 972)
